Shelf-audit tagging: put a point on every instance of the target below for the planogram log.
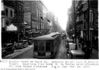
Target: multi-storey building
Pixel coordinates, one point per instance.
(35, 16)
(86, 24)
(12, 13)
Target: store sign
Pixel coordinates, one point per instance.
(2, 6)
(82, 34)
(91, 16)
(3, 22)
(11, 28)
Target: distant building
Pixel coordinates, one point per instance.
(70, 29)
(53, 22)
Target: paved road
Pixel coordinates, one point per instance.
(21, 53)
(62, 51)
(28, 54)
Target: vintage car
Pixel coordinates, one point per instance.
(21, 44)
(7, 48)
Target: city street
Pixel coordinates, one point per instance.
(27, 53)
(62, 51)
(64, 33)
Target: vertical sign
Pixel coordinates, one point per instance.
(82, 34)
(91, 17)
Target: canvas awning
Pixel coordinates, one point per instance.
(11, 27)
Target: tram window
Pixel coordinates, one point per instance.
(41, 46)
(48, 45)
(35, 46)
(6, 11)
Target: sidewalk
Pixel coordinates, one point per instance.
(94, 54)
(18, 52)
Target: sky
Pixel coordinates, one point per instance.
(60, 9)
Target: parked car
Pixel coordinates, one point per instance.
(70, 40)
(21, 44)
(25, 43)
(30, 40)
(7, 48)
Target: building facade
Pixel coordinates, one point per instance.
(86, 24)
(35, 16)
(12, 13)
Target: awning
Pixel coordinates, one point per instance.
(11, 27)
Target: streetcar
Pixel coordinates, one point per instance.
(46, 46)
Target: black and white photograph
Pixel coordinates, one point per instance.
(49, 29)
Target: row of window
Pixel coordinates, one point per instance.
(39, 25)
(9, 12)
